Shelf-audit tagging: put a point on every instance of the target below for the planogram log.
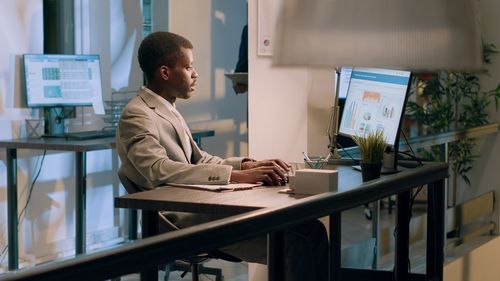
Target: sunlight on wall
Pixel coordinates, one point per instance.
(214, 27)
(21, 30)
(124, 31)
(220, 82)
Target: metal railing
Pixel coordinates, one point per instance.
(147, 253)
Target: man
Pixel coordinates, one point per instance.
(156, 148)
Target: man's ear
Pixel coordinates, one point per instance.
(164, 72)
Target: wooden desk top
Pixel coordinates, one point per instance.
(59, 144)
(169, 198)
(63, 144)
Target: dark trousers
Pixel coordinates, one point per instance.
(306, 252)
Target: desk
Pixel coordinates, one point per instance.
(199, 134)
(351, 193)
(80, 148)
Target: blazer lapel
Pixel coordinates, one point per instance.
(166, 114)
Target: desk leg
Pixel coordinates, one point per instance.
(402, 254)
(334, 249)
(276, 256)
(149, 228)
(132, 224)
(376, 230)
(435, 230)
(12, 208)
(81, 199)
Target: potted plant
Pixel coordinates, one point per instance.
(371, 149)
(445, 101)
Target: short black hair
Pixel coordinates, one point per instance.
(160, 48)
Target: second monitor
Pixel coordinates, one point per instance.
(53, 81)
(375, 101)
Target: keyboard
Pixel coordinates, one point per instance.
(87, 135)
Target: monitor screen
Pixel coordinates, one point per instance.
(375, 102)
(62, 80)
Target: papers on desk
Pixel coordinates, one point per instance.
(218, 187)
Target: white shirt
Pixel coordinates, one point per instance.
(171, 107)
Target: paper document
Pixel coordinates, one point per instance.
(218, 187)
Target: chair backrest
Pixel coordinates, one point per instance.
(129, 185)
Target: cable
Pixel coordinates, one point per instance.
(409, 155)
(345, 151)
(24, 189)
(21, 216)
(411, 149)
(69, 113)
(413, 155)
(412, 199)
(59, 116)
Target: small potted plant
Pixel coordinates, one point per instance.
(371, 149)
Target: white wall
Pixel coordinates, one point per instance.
(214, 27)
(288, 107)
(21, 30)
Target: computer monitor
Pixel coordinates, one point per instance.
(376, 100)
(56, 81)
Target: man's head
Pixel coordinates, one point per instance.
(167, 60)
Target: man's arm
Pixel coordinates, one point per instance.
(148, 146)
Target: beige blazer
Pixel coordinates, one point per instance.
(149, 142)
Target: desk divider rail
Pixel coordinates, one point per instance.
(147, 254)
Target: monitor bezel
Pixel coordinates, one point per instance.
(59, 104)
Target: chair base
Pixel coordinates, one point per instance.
(196, 269)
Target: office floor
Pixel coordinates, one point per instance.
(355, 228)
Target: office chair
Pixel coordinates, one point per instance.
(192, 263)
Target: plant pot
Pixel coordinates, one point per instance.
(370, 171)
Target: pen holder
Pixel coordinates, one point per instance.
(34, 128)
(316, 163)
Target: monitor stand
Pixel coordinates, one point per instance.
(54, 118)
(389, 164)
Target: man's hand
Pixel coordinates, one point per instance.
(269, 162)
(240, 88)
(268, 174)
